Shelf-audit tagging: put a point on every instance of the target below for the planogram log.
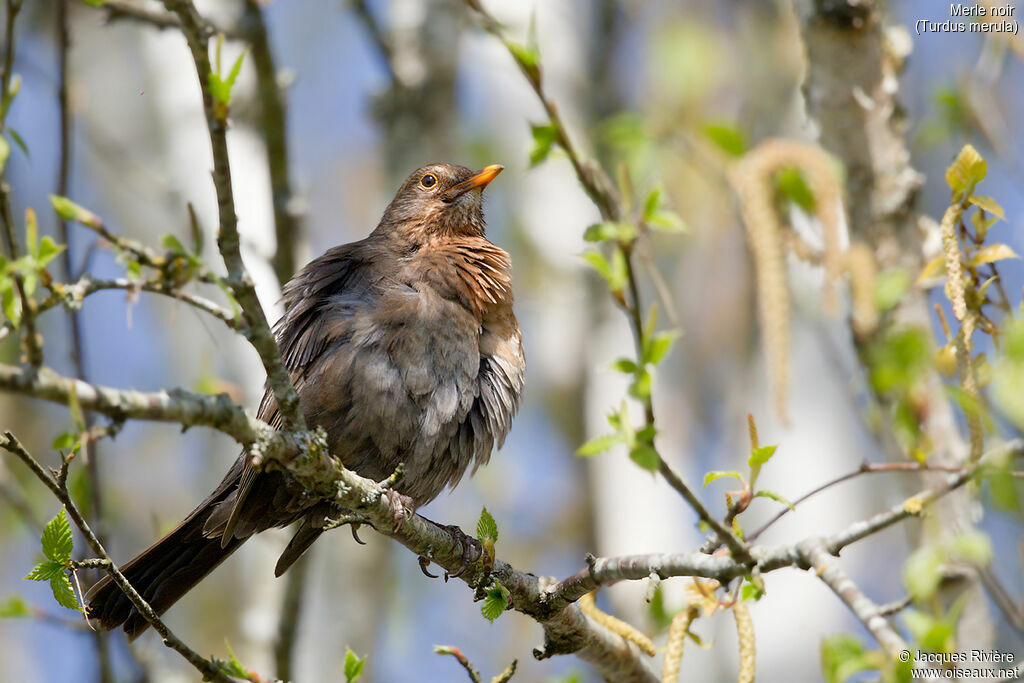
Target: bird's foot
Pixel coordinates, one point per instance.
(471, 549)
(401, 507)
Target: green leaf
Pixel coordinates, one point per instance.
(792, 185)
(992, 252)
(5, 152)
(842, 656)
(609, 230)
(46, 570)
(48, 250)
(988, 204)
(652, 203)
(544, 138)
(972, 546)
(495, 602)
(18, 140)
(63, 593)
(719, 474)
(57, 543)
(233, 666)
(486, 527)
(666, 221)
(640, 388)
(751, 592)
(14, 606)
(70, 211)
(658, 346)
(646, 457)
(95, 3)
(235, 69)
(930, 632)
(600, 444)
(614, 271)
(761, 455)
(65, 441)
(76, 410)
(774, 496)
(922, 572)
(172, 244)
(527, 56)
(10, 303)
(890, 286)
(966, 171)
(353, 666)
(727, 138)
(624, 365)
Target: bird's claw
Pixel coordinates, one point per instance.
(424, 563)
(472, 550)
(400, 504)
(355, 533)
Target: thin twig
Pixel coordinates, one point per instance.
(209, 670)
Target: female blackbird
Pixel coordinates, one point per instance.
(403, 346)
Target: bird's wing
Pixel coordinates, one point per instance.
(343, 278)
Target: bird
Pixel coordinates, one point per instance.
(402, 346)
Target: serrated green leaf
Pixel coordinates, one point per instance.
(495, 602)
(486, 527)
(645, 456)
(56, 538)
(988, 204)
(774, 496)
(761, 455)
(63, 593)
(719, 474)
(46, 570)
(727, 138)
(14, 606)
(353, 666)
(966, 171)
(600, 444)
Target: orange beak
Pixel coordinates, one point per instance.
(480, 179)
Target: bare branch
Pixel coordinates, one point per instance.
(259, 334)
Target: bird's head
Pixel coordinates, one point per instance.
(439, 200)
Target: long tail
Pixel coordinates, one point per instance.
(162, 573)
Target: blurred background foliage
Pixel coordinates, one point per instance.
(671, 91)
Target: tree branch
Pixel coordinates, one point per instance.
(259, 334)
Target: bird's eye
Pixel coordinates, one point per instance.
(428, 181)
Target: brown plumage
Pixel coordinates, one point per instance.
(403, 346)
